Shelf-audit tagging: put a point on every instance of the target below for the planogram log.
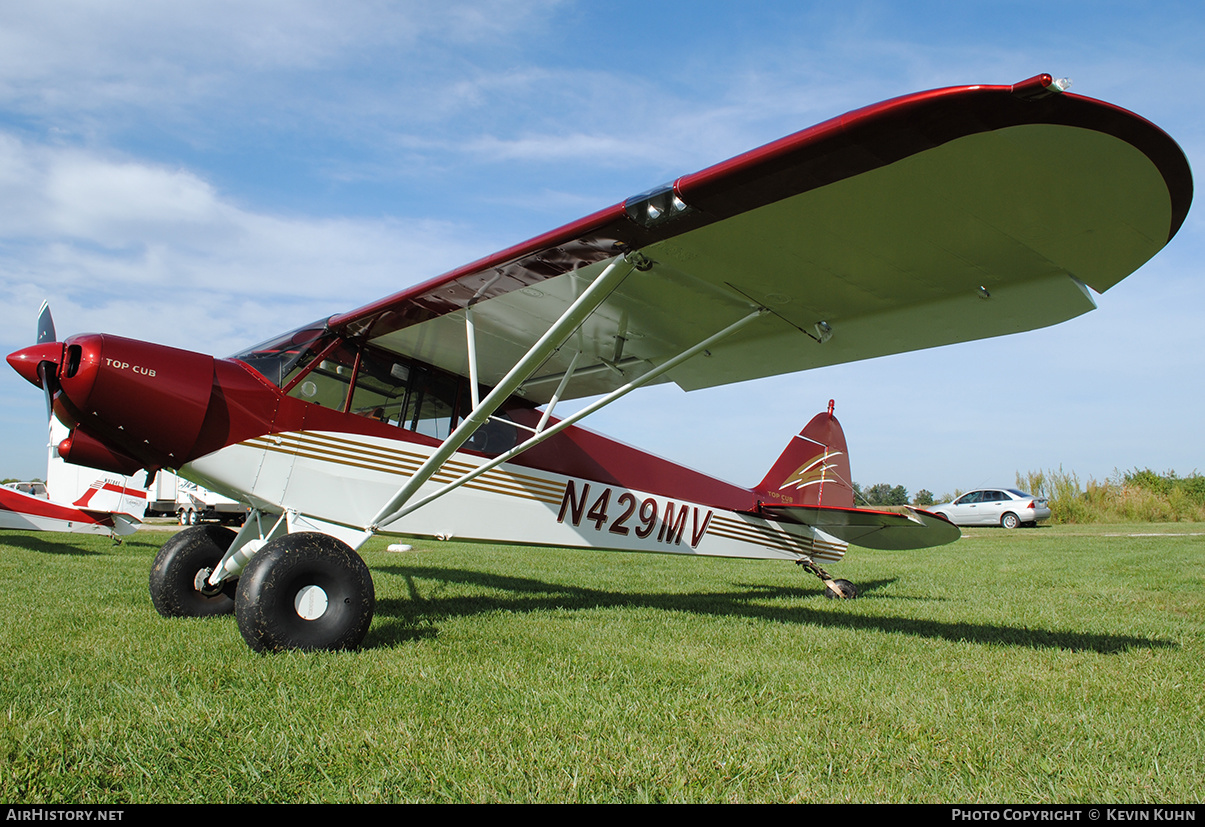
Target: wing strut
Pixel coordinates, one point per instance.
(562, 328)
(470, 335)
(560, 389)
(399, 510)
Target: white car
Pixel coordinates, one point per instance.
(1005, 507)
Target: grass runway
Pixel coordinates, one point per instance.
(1049, 665)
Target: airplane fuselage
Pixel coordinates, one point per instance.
(341, 478)
(327, 441)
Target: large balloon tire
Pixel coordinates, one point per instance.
(302, 574)
(190, 553)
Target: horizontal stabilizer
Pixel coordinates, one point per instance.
(884, 530)
(122, 524)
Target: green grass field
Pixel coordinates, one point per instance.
(1062, 664)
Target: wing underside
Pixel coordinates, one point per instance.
(991, 230)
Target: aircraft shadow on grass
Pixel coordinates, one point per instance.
(47, 544)
(397, 619)
(33, 542)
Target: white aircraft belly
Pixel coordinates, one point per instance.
(35, 522)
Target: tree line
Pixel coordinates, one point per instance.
(884, 494)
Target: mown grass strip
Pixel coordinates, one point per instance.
(1056, 664)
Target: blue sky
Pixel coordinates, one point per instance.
(208, 174)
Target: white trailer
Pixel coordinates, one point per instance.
(189, 503)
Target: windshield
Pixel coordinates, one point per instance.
(319, 367)
(276, 358)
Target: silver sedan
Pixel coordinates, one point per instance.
(1006, 507)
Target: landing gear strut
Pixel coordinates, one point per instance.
(833, 589)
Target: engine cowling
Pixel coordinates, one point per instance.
(81, 448)
(134, 400)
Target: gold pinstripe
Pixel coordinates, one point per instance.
(352, 453)
(366, 456)
(764, 536)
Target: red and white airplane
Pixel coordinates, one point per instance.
(23, 510)
(74, 502)
(73, 499)
(939, 217)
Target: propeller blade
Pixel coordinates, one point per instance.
(45, 325)
(50, 384)
(46, 370)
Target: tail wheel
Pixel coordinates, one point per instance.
(181, 567)
(1010, 520)
(833, 589)
(305, 591)
(840, 590)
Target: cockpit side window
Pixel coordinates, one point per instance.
(408, 394)
(318, 367)
(381, 387)
(323, 376)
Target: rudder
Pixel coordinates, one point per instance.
(814, 468)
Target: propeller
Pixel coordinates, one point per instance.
(45, 325)
(47, 370)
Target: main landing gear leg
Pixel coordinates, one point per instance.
(834, 589)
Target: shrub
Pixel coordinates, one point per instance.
(1135, 496)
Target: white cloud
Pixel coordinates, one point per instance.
(77, 54)
(160, 253)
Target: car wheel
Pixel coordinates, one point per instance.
(1010, 520)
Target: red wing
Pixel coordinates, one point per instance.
(939, 217)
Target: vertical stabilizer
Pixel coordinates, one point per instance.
(814, 468)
